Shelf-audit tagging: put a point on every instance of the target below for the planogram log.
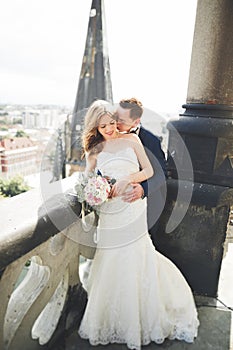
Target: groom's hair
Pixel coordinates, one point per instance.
(135, 106)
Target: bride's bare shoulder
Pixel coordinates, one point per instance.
(130, 137)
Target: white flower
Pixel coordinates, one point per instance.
(94, 189)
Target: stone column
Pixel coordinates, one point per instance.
(211, 70)
(205, 133)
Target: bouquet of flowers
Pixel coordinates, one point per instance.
(93, 189)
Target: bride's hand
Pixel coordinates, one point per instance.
(119, 188)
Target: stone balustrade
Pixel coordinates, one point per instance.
(41, 239)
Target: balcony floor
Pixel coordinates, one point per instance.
(214, 334)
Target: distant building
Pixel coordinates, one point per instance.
(42, 118)
(18, 156)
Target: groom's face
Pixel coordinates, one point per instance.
(124, 121)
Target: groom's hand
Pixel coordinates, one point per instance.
(133, 195)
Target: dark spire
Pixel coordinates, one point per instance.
(95, 80)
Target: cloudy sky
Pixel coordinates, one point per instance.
(42, 44)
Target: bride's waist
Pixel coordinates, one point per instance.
(119, 174)
(120, 199)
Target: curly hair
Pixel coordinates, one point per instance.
(134, 105)
(92, 139)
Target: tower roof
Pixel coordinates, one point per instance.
(94, 80)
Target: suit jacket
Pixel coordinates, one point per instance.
(155, 187)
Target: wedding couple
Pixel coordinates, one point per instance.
(135, 294)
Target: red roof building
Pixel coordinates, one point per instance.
(18, 156)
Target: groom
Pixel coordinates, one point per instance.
(129, 112)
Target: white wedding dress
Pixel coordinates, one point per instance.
(135, 294)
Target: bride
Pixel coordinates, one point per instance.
(135, 294)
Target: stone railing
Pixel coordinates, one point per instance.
(41, 240)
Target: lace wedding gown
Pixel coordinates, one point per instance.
(135, 294)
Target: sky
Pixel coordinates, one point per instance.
(149, 43)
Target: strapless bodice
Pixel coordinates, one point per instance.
(118, 164)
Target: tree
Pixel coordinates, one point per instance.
(21, 133)
(17, 121)
(13, 187)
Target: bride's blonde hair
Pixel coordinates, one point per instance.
(92, 139)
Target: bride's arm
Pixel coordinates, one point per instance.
(90, 163)
(146, 168)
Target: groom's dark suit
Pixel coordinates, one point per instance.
(155, 187)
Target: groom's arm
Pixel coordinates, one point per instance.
(158, 180)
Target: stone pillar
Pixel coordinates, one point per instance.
(211, 71)
(205, 133)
